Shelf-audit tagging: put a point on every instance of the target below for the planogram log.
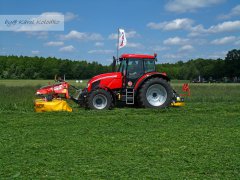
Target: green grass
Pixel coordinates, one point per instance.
(198, 141)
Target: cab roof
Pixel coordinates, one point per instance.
(137, 56)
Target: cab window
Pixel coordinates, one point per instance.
(149, 66)
(135, 68)
(122, 67)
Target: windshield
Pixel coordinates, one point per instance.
(122, 66)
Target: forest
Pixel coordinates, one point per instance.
(227, 69)
(23, 67)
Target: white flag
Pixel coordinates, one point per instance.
(122, 39)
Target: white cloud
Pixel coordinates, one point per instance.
(200, 42)
(179, 24)
(82, 36)
(237, 42)
(181, 6)
(172, 56)
(54, 43)
(38, 34)
(52, 14)
(35, 52)
(186, 48)
(197, 30)
(134, 45)
(101, 51)
(113, 36)
(69, 48)
(216, 55)
(188, 25)
(224, 40)
(175, 41)
(69, 16)
(95, 37)
(99, 44)
(130, 34)
(227, 26)
(234, 12)
(159, 48)
(184, 23)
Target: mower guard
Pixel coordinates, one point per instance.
(41, 105)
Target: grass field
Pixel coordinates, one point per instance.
(198, 141)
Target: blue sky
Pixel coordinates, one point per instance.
(174, 29)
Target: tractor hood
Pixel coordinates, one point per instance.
(108, 80)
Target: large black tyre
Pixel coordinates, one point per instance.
(155, 93)
(99, 99)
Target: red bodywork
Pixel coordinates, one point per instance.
(138, 56)
(115, 80)
(145, 76)
(108, 80)
(55, 89)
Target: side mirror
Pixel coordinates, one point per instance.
(114, 64)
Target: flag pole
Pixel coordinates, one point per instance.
(117, 44)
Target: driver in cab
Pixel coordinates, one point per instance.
(133, 69)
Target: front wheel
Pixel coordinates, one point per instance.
(99, 99)
(155, 93)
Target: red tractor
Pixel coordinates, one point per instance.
(136, 82)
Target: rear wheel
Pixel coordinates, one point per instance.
(155, 93)
(99, 99)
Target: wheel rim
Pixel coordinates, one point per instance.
(100, 101)
(156, 95)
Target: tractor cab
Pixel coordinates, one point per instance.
(134, 66)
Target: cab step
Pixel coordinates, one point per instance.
(130, 96)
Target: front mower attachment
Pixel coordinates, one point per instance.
(50, 98)
(41, 105)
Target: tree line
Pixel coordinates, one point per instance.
(23, 67)
(206, 68)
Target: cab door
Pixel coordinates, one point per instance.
(134, 71)
(123, 70)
